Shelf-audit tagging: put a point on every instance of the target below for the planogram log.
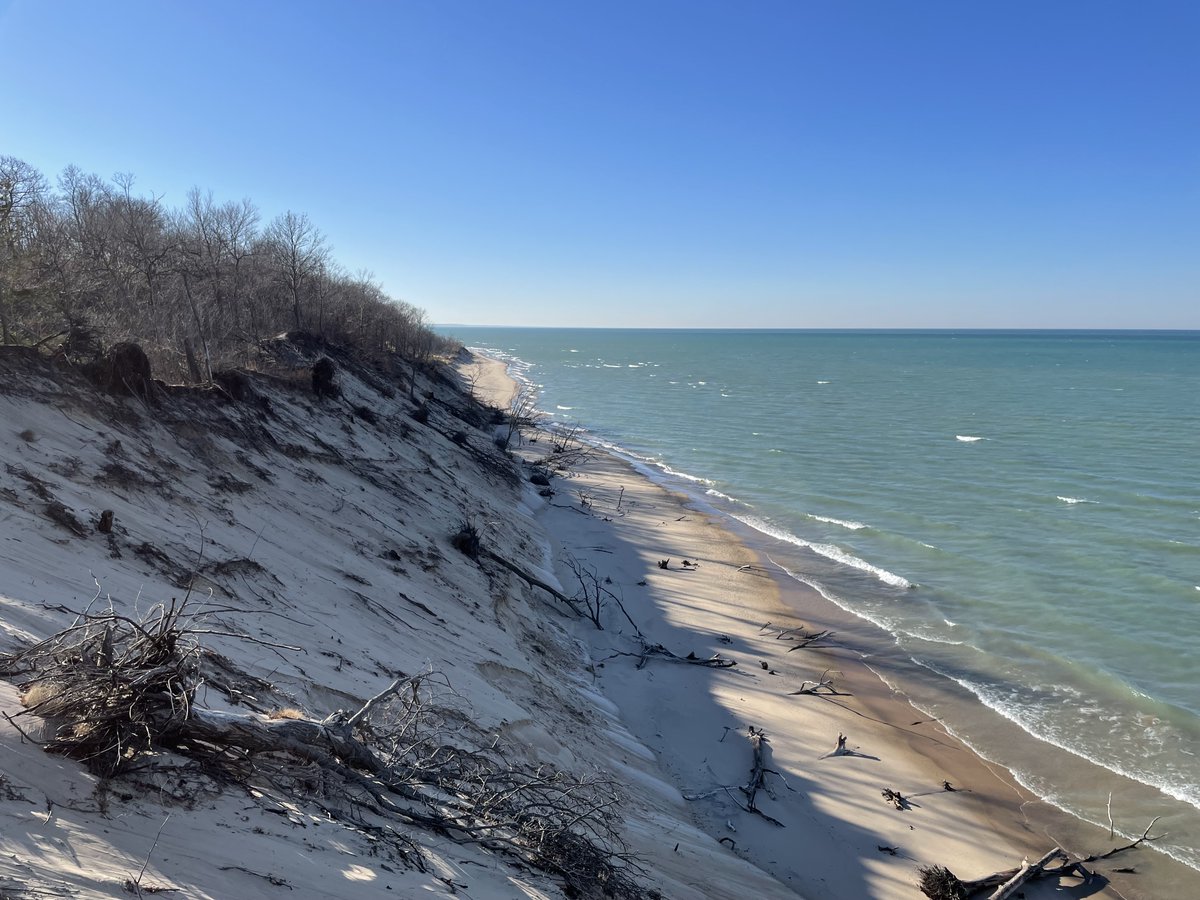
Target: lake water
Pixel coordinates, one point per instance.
(1019, 511)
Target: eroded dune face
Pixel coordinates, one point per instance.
(291, 557)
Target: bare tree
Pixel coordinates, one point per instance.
(522, 413)
(98, 260)
(22, 189)
(298, 254)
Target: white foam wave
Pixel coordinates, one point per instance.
(829, 551)
(1035, 786)
(609, 366)
(685, 476)
(878, 621)
(930, 637)
(1074, 500)
(1027, 719)
(823, 382)
(967, 438)
(853, 526)
(563, 407)
(713, 492)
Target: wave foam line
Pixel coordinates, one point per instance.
(829, 551)
(1185, 793)
(853, 526)
(1027, 781)
(884, 624)
(967, 438)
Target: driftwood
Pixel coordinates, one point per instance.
(800, 636)
(895, 798)
(842, 750)
(758, 774)
(822, 687)
(526, 577)
(658, 651)
(939, 883)
(1024, 874)
(116, 693)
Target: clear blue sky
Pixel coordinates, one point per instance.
(810, 163)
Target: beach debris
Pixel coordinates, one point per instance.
(800, 635)
(649, 651)
(664, 563)
(593, 594)
(725, 639)
(806, 639)
(758, 775)
(842, 750)
(763, 663)
(725, 734)
(105, 525)
(115, 691)
(658, 651)
(543, 480)
(939, 883)
(688, 564)
(895, 798)
(529, 579)
(891, 851)
(822, 687)
(61, 515)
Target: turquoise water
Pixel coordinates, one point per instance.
(1020, 511)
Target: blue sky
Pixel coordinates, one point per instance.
(660, 163)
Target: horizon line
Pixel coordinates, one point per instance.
(835, 329)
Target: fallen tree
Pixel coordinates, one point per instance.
(939, 883)
(758, 774)
(119, 694)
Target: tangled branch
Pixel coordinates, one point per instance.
(114, 692)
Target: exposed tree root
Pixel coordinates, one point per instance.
(939, 883)
(115, 693)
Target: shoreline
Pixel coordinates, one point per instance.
(998, 813)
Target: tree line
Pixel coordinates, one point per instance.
(96, 262)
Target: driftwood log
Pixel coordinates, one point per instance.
(800, 637)
(651, 651)
(758, 774)
(822, 687)
(939, 883)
